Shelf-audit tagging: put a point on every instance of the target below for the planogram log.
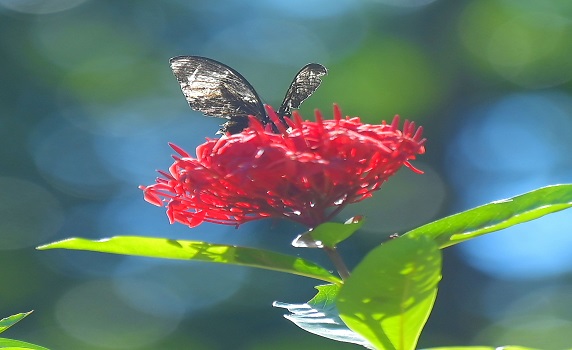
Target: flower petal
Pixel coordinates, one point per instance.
(297, 173)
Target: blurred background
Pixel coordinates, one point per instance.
(88, 104)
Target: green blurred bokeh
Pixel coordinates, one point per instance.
(88, 104)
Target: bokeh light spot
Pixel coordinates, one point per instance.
(383, 80)
(391, 209)
(265, 40)
(506, 148)
(535, 318)
(60, 153)
(526, 45)
(40, 7)
(310, 9)
(94, 314)
(178, 291)
(405, 3)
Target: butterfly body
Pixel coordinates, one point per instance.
(217, 90)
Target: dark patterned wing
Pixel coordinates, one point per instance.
(303, 86)
(217, 90)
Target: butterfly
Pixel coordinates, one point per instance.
(217, 90)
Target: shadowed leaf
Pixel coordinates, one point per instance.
(319, 316)
(390, 294)
(198, 251)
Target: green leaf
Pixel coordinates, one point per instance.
(510, 347)
(199, 251)
(464, 348)
(11, 344)
(319, 316)
(9, 321)
(390, 294)
(328, 234)
(497, 215)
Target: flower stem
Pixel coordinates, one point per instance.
(338, 262)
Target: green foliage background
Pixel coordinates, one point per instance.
(88, 104)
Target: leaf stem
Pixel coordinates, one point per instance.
(338, 262)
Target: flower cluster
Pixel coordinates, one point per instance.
(297, 173)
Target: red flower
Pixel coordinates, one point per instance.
(297, 173)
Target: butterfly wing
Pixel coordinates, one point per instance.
(217, 90)
(306, 81)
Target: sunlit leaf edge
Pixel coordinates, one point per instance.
(497, 215)
(333, 233)
(12, 344)
(329, 234)
(200, 251)
(319, 316)
(508, 347)
(11, 320)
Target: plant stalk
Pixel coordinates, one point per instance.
(338, 262)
